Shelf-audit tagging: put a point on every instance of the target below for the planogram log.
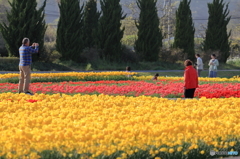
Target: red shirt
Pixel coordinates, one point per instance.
(190, 78)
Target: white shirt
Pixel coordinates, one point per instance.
(199, 64)
(213, 63)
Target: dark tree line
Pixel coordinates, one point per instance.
(184, 34)
(24, 20)
(217, 37)
(149, 39)
(83, 26)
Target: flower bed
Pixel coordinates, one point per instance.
(67, 122)
(91, 126)
(163, 88)
(97, 76)
(207, 79)
(71, 76)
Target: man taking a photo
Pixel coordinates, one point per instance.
(25, 54)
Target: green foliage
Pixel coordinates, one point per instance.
(184, 34)
(70, 78)
(217, 37)
(129, 40)
(171, 55)
(150, 152)
(91, 17)
(130, 32)
(110, 33)
(69, 40)
(149, 34)
(24, 20)
(9, 63)
(89, 67)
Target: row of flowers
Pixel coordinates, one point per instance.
(80, 75)
(85, 126)
(85, 75)
(131, 88)
(218, 79)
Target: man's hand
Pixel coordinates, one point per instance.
(36, 44)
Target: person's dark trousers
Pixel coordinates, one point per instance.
(189, 93)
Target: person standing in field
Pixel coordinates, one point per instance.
(190, 79)
(128, 69)
(199, 64)
(213, 63)
(25, 55)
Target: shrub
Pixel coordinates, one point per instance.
(234, 61)
(171, 55)
(49, 54)
(3, 51)
(9, 59)
(129, 55)
(90, 55)
(235, 51)
(129, 39)
(50, 35)
(206, 56)
(9, 63)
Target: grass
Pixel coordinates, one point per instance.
(11, 64)
(221, 74)
(73, 66)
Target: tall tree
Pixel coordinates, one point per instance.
(149, 34)
(24, 20)
(184, 34)
(217, 36)
(91, 17)
(69, 42)
(3, 18)
(110, 33)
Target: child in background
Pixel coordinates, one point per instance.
(128, 69)
(155, 76)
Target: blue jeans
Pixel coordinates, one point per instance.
(212, 73)
(199, 72)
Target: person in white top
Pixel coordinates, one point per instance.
(213, 63)
(199, 64)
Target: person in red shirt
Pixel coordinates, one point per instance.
(190, 79)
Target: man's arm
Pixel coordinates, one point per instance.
(33, 50)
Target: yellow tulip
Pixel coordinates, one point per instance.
(171, 150)
(103, 124)
(202, 152)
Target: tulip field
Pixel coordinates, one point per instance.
(117, 115)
